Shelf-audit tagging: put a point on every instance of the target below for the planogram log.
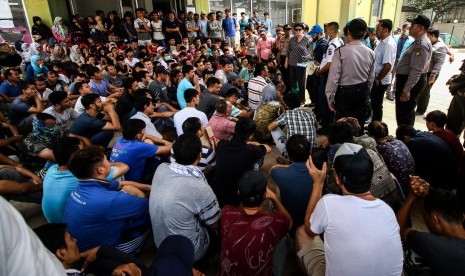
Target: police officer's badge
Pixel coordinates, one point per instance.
(330, 52)
(417, 51)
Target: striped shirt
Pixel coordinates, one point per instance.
(255, 91)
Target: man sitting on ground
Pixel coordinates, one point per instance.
(209, 97)
(366, 225)
(222, 127)
(181, 201)
(83, 88)
(98, 212)
(61, 109)
(24, 107)
(242, 225)
(192, 98)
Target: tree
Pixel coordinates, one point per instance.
(439, 7)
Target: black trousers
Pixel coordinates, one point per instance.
(297, 75)
(405, 111)
(423, 97)
(377, 97)
(284, 71)
(326, 116)
(351, 101)
(456, 114)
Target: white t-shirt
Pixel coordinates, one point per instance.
(64, 119)
(21, 251)
(221, 76)
(157, 30)
(149, 126)
(131, 63)
(79, 108)
(44, 95)
(361, 237)
(185, 113)
(329, 54)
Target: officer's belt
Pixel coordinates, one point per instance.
(360, 85)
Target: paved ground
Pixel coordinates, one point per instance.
(440, 99)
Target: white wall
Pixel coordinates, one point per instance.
(459, 30)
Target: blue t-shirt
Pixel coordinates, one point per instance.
(97, 215)
(229, 27)
(268, 23)
(18, 110)
(86, 125)
(295, 185)
(182, 87)
(10, 90)
(58, 185)
(101, 88)
(134, 154)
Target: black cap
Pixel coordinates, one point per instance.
(287, 27)
(422, 20)
(252, 187)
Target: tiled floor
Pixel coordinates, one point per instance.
(440, 99)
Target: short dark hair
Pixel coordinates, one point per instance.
(298, 148)
(357, 28)
(341, 132)
(78, 85)
(434, 32)
(187, 148)
(91, 70)
(89, 99)
(386, 23)
(437, 117)
(190, 94)
(213, 81)
(64, 148)
(333, 25)
(84, 161)
(232, 92)
(25, 85)
(445, 203)
(405, 130)
(259, 68)
(191, 125)
(378, 130)
(56, 97)
(9, 72)
(141, 102)
(52, 235)
(40, 79)
(245, 127)
(127, 83)
(52, 72)
(186, 69)
(140, 75)
(132, 127)
(221, 106)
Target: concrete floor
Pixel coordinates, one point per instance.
(440, 99)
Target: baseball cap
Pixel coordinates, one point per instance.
(160, 48)
(287, 26)
(252, 187)
(354, 167)
(232, 76)
(175, 256)
(422, 20)
(316, 29)
(262, 31)
(160, 70)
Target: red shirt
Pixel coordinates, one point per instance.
(248, 241)
(453, 141)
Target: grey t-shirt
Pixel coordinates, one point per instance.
(182, 205)
(207, 103)
(159, 92)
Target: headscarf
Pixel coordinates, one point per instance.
(268, 94)
(57, 56)
(26, 54)
(37, 68)
(62, 30)
(73, 55)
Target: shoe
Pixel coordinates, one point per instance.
(390, 97)
(282, 160)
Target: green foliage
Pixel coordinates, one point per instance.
(440, 7)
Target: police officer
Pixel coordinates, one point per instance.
(319, 48)
(437, 60)
(351, 75)
(411, 71)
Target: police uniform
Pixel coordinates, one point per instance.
(437, 60)
(411, 77)
(350, 80)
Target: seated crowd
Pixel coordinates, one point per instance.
(167, 137)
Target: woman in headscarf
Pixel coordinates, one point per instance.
(26, 56)
(60, 31)
(268, 110)
(37, 49)
(76, 56)
(36, 67)
(59, 54)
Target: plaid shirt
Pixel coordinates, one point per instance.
(299, 121)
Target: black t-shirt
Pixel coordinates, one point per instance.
(445, 255)
(171, 25)
(124, 105)
(234, 158)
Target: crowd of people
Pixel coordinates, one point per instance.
(159, 125)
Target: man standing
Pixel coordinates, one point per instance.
(143, 29)
(411, 71)
(385, 57)
(171, 28)
(374, 244)
(437, 60)
(230, 26)
(250, 41)
(319, 49)
(351, 76)
(181, 201)
(189, 78)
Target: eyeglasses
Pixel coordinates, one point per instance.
(297, 30)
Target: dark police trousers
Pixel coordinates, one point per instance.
(423, 97)
(405, 111)
(351, 101)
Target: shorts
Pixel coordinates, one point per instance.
(231, 41)
(312, 257)
(33, 147)
(144, 43)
